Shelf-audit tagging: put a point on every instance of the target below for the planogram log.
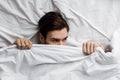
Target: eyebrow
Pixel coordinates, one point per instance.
(59, 39)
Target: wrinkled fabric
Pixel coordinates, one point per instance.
(88, 19)
(47, 62)
(54, 62)
(91, 19)
(19, 19)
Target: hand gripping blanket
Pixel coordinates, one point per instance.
(48, 62)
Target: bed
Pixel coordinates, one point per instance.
(91, 19)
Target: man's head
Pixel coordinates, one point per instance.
(53, 29)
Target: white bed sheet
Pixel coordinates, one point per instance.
(50, 62)
(88, 19)
(91, 19)
(19, 18)
(47, 62)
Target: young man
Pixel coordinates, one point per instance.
(54, 31)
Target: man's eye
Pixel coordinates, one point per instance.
(54, 40)
(64, 39)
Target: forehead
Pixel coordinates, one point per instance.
(59, 34)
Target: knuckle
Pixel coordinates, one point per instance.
(88, 43)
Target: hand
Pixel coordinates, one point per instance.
(90, 46)
(23, 43)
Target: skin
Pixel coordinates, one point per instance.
(23, 43)
(58, 37)
(90, 46)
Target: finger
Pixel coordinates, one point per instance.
(84, 48)
(91, 47)
(30, 44)
(26, 44)
(88, 48)
(22, 43)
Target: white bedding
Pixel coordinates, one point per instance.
(19, 18)
(91, 19)
(88, 19)
(48, 62)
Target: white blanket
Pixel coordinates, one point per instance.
(48, 62)
(88, 19)
(91, 19)
(19, 18)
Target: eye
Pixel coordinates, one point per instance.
(55, 40)
(65, 39)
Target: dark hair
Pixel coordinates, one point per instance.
(52, 21)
